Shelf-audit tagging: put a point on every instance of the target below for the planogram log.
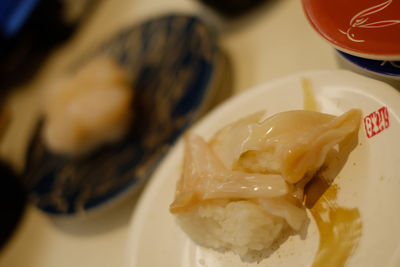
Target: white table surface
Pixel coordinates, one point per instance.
(273, 41)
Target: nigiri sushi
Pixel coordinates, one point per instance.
(243, 189)
(87, 109)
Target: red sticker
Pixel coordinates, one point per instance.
(376, 122)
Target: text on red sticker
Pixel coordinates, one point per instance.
(376, 122)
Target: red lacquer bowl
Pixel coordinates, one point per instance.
(364, 28)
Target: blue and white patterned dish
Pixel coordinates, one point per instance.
(384, 67)
(172, 60)
(386, 71)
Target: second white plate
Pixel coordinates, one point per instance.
(369, 181)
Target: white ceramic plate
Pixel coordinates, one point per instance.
(369, 181)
